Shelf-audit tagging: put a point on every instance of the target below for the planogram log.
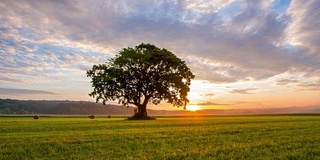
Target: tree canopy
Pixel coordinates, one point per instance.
(141, 75)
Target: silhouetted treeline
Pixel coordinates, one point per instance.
(9, 106)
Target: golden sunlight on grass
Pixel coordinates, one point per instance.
(193, 108)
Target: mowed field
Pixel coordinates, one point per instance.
(214, 137)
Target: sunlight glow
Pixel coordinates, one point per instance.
(193, 108)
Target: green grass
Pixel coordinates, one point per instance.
(216, 137)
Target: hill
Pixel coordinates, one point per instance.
(9, 106)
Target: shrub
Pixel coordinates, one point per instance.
(91, 116)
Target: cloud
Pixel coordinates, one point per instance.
(223, 41)
(247, 38)
(304, 29)
(300, 85)
(243, 91)
(11, 80)
(311, 86)
(285, 82)
(20, 92)
(208, 95)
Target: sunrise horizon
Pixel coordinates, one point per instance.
(196, 108)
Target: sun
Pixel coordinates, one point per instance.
(193, 108)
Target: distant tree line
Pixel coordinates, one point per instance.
(10, 106)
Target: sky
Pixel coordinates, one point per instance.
(244, 53)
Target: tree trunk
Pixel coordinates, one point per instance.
(142, 111)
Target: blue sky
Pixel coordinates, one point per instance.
(244, 53)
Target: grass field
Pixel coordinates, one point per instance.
(216, 137)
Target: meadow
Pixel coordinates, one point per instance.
(207, 137)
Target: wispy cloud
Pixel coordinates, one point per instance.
(300, 85)
(311, 86)
(243, 91)
(208, 95)
(11, 80)
(285, 82)
(20, 92)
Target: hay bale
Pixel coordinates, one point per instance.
(91, 116)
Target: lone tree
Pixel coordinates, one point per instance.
(140, 75)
